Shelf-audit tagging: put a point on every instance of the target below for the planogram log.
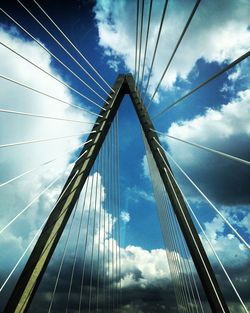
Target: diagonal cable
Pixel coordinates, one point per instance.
(63, 48)
(175, 49)
(38, 141)
(41, 165)
(71, 43)
(44, 48)
(141, 31)
(226, 68)
(46, 94)
(41, 116)
(136, 36)
(53, 76)
(37, 197)
(205, 197)
(155, 50)
(225, 155)
(146, 43)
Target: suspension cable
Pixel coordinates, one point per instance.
(85, 245)
(43, 47)
(35, 236)
(74, 46)
(216, 255)
(99, 231)
(156, 47)
(205, 197)
(42, 192)
(167, 171)
(136, 40)
(42, 164)
(93, 236)
(146, 43)
(53, 76)
(229, 156)
(41, 116)
(45, 94)
(141, 31)
(226, 68)
(77, 245)
(64, 49)
(175, 49)
(62, 258)
(38, 141)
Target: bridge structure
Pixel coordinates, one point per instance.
(96, 169)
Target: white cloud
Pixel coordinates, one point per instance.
(144, 268)
(14, 128)
(125, 217)
(213, 37)
(225, 129)
(145, 168)
(232, 252)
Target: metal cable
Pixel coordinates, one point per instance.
(85, 247)
(42, 116)
(146, 44)
(71, 43)
(38, 140)
(226, 68)
(206, 198)
(41, 193)
(54, 77)
(104, 222)
(175, 49)
(93, 235)
(62, 259)
(41, 165)
(226, 155)
(167, 172)
(64, 49)
(216, 255)
(99, 231)
(141, 30)
(44, 93)
(43, 47)
(77, 245)
(136, 40)
(166, 231)
(35, 236)
(119, 214)
(155, 50)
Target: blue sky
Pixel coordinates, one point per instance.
(216, 116)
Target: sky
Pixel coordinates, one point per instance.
(217, 116)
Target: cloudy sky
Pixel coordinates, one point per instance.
(217, 116)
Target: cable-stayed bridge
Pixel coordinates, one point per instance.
(85, 219)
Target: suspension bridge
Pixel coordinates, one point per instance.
(85, 219)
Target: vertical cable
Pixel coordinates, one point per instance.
(85, 247)
(155, 50)
(104, 225)
(93, 235)
(136, 40)
(77, 245)
(99, 230)
(141, 31)
(119, 214)
(62, 258)
(146, 44)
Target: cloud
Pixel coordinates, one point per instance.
(18, 159)
(225, 129)
(213, 37)
(145, 168)
(125, 217)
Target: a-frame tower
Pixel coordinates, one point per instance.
(37, 263)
